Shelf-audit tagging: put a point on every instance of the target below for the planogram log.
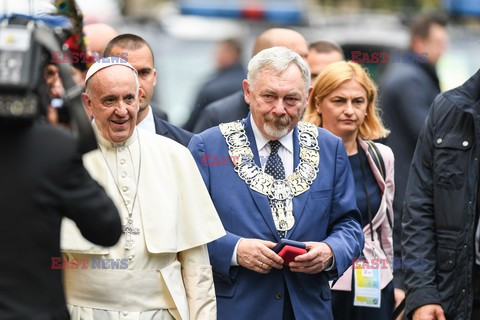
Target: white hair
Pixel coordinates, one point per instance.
(277, 59)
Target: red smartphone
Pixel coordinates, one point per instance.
(288, 253)
(289, 249)
(284, 242)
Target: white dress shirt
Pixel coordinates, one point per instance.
(148, 123)
(285, 152)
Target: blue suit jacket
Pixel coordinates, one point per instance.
(227, 109)
(326, 212)
(168, 130)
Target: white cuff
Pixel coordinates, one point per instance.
(234, 262)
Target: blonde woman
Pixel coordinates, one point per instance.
(343, 101)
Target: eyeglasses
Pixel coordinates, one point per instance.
(289, 100)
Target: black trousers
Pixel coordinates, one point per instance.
(476, 293)
(343, 308)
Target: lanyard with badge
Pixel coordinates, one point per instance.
(366, 279)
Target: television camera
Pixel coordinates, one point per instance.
(26, 45)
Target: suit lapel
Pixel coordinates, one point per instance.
(160, 128)
(261, 200)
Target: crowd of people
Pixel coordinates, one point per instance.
(302, 147)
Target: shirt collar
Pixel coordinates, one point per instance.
(286, 140)
(148, 123)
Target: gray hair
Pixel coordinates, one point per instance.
(277, 59)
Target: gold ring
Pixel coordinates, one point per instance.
(261, 266)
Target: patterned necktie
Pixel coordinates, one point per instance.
(274, 167)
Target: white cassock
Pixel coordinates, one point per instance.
(166, 274)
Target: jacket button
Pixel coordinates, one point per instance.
(439, 140)
(278, 295)
(465, 143)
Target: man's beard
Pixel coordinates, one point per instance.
(277, 127)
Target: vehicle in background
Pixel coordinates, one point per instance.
(284, 12)
(184, 47)
(458, 8)
(184, 43)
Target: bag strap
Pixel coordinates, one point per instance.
(399, 309)
(378, 160)
(377, 157)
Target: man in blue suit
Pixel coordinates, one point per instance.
(271, 177)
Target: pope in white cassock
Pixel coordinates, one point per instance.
(160, 268)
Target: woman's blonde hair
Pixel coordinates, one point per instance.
(330, 79)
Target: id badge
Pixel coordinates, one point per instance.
(367, 285)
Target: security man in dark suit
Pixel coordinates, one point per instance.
(140, 55)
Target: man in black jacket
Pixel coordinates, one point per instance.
(42, 181)
(440, 241)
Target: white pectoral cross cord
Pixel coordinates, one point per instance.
(128, 229)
